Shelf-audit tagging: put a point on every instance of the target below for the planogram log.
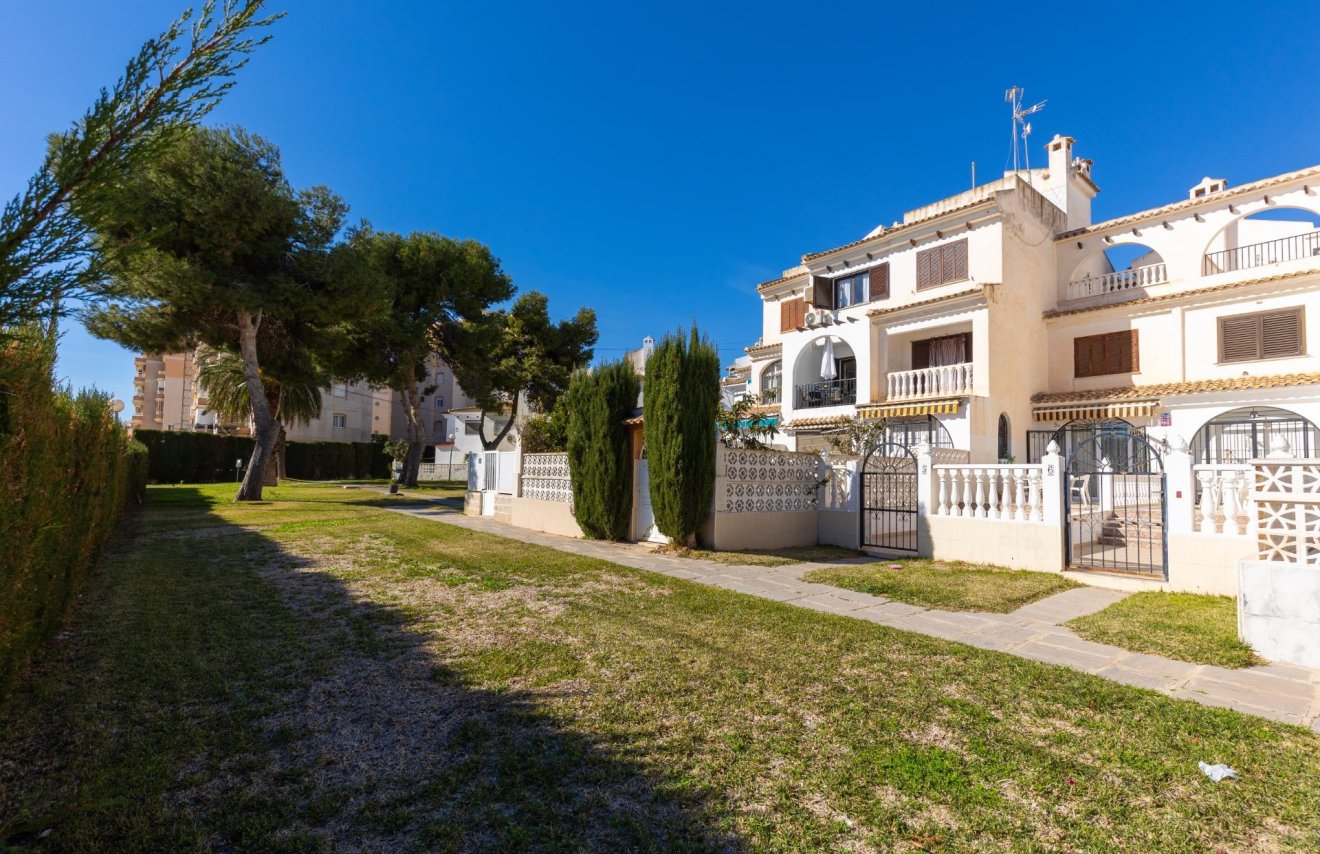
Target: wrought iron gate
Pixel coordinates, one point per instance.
(1115, 510)
(889, 499)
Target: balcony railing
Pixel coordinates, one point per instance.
(943, 381)
(827, 393)
(1292, 248)
(1119, 280)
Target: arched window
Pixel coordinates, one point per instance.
(772, 379)
(912, 432)
(1246, 434)
(1005, 439)
(1272, 236)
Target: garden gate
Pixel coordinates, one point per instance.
(889, 499)
(1115, 509)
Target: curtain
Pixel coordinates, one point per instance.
(950, 350)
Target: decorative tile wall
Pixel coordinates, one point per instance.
(545, 477)
(766, 481)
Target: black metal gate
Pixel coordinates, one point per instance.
(889, 499)
(1115, 506)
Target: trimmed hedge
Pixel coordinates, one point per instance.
(69, 469)
(185, 457)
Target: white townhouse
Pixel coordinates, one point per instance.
(1001, 318)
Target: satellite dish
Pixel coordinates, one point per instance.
(116, 406)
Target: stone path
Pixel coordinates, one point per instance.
(1281, 692)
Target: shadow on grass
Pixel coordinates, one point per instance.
(221, 691)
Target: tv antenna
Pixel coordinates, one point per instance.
(1021, 128)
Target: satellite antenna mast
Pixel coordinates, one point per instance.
(1020, 127)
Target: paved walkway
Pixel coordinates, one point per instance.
(1281, 692)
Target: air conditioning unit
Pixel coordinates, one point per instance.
(811, 318)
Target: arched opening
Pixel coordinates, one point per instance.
(1078, 432)
(1122, 267)
(1249, 433)
(1005, 439)
(772, 383)
(825, 374)
(1273, 236)
(910, 432)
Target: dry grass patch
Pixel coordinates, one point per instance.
(775, 557)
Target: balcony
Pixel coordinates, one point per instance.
(1293, 248)
(942, 381)
(1118, 281)
(841, 392)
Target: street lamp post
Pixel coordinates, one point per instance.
(449, 470)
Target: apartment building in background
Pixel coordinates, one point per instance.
(1002, 318)
(168, 396)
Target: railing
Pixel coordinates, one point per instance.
(827, 393)
(1277, 251)
(1006, 492)
(1119, 280)
(930, 382)
(1224, 505)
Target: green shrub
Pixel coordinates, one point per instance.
(69, 468)
(187, 457)
(599, 456)
(681, 404)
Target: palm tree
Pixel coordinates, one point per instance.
(220, 374)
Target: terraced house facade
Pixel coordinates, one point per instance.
(1003, 318)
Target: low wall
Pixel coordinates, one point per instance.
(1207, 563)
(551, 517)
(471, 503)
(1279, 611)
(765, 530)
(1012, 544)
(838, 528)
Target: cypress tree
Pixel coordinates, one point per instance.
(599, 460)
(681, 404)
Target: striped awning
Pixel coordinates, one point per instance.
(1088, 411)
(905, 410)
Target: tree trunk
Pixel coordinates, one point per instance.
(412, 408)
(267, 429)
(494, 444)
(275, 468)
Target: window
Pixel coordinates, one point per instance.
(438, 427)
(1264, 335)
(440, 403)
(339, 390)
(941, 265)
(772, 380)
(792, 314)
(852, 290)
(338, 420)
(1005, 438)
(471, 428)
(1111, 353)
(941, 351)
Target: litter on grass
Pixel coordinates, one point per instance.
(1217, 772)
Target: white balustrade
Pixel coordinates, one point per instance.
(1118, 281)
(1225, 499)
(942, 381)
(993, 492)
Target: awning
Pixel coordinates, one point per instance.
(1090, 411)
(907, 410)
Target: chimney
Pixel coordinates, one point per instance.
(1206, 187)
(1069, 185)
(1060, 151)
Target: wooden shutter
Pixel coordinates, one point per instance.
(1281, 334)
(928, 261)
(955, 263)
(822, 292)
(880, 281)
(792, 314)
(1118, 353)
(920, 354)
(1239, 338)
(1111, 353)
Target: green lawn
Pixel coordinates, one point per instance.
(950, 586)
(315, 673)
(776, 557)
(1186, 626)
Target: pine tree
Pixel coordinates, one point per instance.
(681, 404)
(599, 458)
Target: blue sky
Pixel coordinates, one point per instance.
(657, 161)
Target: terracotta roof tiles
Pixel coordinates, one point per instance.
(1279, 277)
(1186, 387)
